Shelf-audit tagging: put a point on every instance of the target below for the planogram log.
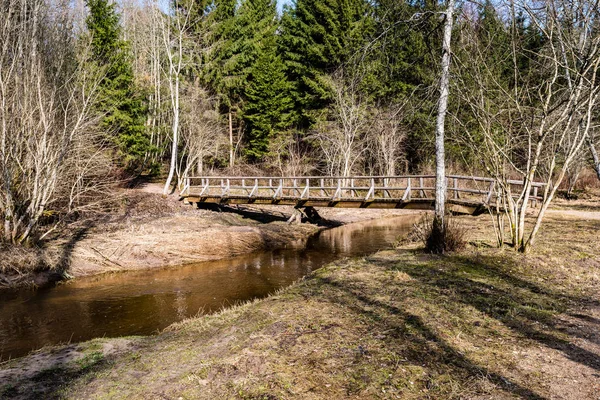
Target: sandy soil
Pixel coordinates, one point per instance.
(160, 232)
(149, 231)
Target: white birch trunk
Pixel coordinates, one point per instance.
(440, 161)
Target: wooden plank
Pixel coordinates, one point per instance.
(354, 192)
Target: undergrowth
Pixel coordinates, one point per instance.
(440, 237)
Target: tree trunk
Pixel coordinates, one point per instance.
(595, 156)
(440, 161)
(175, 128)
(231, 148)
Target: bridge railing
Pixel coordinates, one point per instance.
(335, 188)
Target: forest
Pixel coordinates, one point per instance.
(97, 93)
(121, 279)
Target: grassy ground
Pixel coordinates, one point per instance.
(485, 323)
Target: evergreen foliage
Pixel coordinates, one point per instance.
(317, 37)
(403, 59)
(222, 21)
(119, 101)
(245, 72)
(267, 110)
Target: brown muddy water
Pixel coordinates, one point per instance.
(144, 302)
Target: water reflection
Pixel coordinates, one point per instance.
(141, 303)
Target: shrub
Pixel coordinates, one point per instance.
(440, 238)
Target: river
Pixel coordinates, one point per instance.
(144, 302)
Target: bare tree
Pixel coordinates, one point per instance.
(142, 25)
(387, 136)
(46, 99)
(595, 157)
(341, 137)
(535, 130)
(289, 155)
(174, 29)
(202, 134)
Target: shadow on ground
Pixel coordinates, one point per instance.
(261, 215)
(484, 284)
(402, 312)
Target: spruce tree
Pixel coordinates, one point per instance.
(268, 105)
(317, 37)
(119, 102)
(245, 72)
(403, 63)
(222, 35)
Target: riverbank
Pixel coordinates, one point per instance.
(486, 323)
(149, 231)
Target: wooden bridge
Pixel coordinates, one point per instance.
(466, 194)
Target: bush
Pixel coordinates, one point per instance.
(441, 238)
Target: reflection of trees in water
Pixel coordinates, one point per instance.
(144, 302)
(181, 305)
(365, 237)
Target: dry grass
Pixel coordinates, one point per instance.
(485, 323)
(19, 259)
(440, 238)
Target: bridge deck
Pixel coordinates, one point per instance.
(466, 195)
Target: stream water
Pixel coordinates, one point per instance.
(144, 302)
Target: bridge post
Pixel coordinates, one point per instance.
(371, 192)
(306, 191)
(254, 189)
(386, 193)
(279, 190)
(338, 190)
(456, 196)
(406, 195)
(491, 191)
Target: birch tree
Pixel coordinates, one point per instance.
(174, 29)
(440, 153)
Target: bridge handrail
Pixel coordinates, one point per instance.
(313, 177)
(359, 177)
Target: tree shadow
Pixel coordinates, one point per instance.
(261, 215)
(43, 375)
(64, 261)
(521, 305)
(422, 345)
(256, 214)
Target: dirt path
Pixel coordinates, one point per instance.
(574, 214)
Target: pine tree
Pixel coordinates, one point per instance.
(245, 72)
(317, 37)
(268, 104)
(119, 102)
